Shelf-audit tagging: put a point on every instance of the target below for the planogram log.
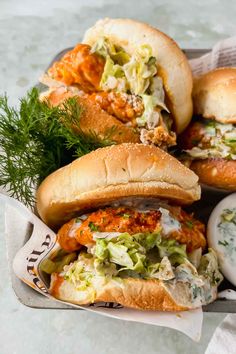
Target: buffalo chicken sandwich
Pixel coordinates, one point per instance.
(123, 234)
(134, 73)
(209, 142)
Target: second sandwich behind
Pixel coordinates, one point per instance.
(210, 140)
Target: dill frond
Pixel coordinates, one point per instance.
(37, 139)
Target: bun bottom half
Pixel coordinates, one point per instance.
(134, 293)
(219, 173)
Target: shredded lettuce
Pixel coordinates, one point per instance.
(222, 142)
(157, 90)
(81, 272)
(135, 74)
(150, 116)
(57, 264)
(101, 251)
(119, 254)
(113, 77)
(106, 269)
(148, 240)
(113, 74)
(122, 250)
(174, 251)
(155, 98)
(140, 69)
(144, 256)
(132, 252)
(105, 48)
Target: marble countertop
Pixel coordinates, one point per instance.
(31, 33)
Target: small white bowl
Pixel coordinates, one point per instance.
(222, 238)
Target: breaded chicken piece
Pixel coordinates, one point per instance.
(129, 220)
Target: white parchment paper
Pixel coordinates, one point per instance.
(222, 54)
(42, 243)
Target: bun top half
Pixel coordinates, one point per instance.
(214, 95)
(110, 174)
(172, 64)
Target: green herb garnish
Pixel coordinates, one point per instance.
(195, 291)
(93, 227)
(189, 224)
(37, 139)
(223, 243)
(228, 215)
(78, 220)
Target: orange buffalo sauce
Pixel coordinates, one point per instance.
(67, 242)
(191, 233)
(117, 220)
(79, 67)
(58, 280)
(107, 220)
(72, 235)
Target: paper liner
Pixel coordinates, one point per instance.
(222, 54)
(20, 222)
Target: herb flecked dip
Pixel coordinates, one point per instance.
(227, 232)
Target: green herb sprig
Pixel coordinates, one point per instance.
(37, 139)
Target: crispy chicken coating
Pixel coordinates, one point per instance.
(79, 67)
(123, 106)
(158, 136)
(80, 232)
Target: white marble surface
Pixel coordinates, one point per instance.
(31, 33)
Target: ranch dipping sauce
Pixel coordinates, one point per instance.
(227, 234)
(221, 235)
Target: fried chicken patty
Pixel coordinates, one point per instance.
(192, 136)
(79, 67)
(83, 68)
(79, 231)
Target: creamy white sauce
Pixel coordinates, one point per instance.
(221, 236)
(200, 288)
(227, 235)
(168, 223)
(220, 146)
(224, 128)
(106, 235)
(195, 257)
(165, 271)
(74, 228)
(76, 225)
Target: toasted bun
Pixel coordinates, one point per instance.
(173, 66)
(219, 173)
(214, 95)
(113, 173)
(141, 294)
(93, 118)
